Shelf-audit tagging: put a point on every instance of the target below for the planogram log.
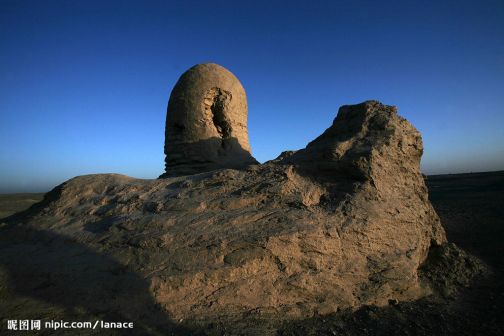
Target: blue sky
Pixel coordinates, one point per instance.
(84, 84)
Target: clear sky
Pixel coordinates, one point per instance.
(84, 84)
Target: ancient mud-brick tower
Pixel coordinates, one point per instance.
(206, 123)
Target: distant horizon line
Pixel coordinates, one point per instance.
(2, 193)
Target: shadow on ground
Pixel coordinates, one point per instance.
(50, 277)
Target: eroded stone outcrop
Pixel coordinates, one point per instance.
(206, 123)
(343, 223)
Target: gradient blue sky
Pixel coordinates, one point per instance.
(84, 84)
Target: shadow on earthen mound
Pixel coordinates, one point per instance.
(219, 154)
(46, 276)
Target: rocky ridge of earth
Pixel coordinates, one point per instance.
(344, 223)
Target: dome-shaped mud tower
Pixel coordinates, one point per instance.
(206, 123)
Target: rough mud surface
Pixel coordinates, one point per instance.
(464, 303)
(282, 247)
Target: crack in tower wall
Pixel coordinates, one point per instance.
(216, 102)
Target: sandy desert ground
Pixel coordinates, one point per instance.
(12, 203)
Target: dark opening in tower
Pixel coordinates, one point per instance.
(216, 103)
